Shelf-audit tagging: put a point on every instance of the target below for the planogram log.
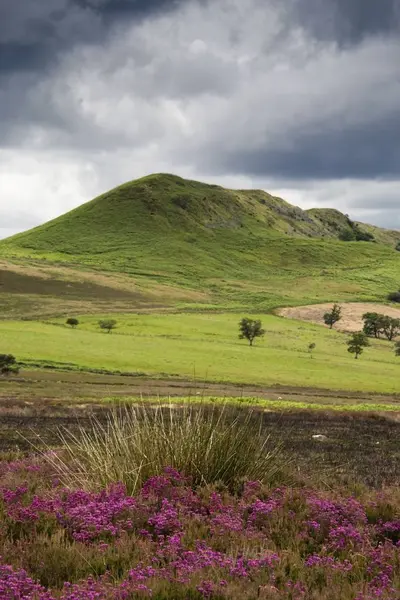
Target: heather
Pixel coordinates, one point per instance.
(173, 539)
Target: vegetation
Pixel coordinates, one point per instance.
(202, 347)
(175, 541)
(8, 364)
(72, 322)
(397, 348)
(376, 325)
(108, 324)
(163, 241)
(352, 232)
(357, 343)
(311, 348)
(333, 316)
(250, 329)
(394, 296)
(134, 444)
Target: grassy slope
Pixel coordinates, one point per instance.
(241, 248)
(206, 347)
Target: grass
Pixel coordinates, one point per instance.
(266, 404)
(207, 444)
(205, 347)
(204, 245)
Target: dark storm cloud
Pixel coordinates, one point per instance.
(338, 151)
(33, 34)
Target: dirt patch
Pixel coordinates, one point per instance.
(352, 313)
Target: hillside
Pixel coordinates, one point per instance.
(218, 246)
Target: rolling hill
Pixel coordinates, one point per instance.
(164, 241)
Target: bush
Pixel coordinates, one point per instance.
(108, 325)
(347, 235)
(394, 297)
(208, 444)
(72, 322)
(8, 364)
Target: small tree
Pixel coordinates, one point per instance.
(333, 316)
(72, 322)
(108, 325)
(311, 348)
(357, 343)
(8, 364)
(397, 348)
(250, 329)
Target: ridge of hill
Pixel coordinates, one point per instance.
(168, 202)
(233, 248)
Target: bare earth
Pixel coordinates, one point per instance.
(352, 313)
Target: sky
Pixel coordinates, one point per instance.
(297, 97)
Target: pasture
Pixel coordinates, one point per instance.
(205, 348)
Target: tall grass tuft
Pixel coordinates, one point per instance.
(133, 443)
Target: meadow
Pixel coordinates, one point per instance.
(205, 347)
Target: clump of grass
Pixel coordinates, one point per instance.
(133, 443)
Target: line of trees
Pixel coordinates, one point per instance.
(105, 324)
(377, 325)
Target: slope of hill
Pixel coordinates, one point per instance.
(236, 247)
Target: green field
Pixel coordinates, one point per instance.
(206, 347)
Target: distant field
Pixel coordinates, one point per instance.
(206, 347)
(352, 313)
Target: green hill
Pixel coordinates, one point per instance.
(231, 248)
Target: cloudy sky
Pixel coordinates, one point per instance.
(298, 97)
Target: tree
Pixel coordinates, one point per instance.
(397, 348)
(373, 324)
(72, 322)
(357, 343)
(333, 316)
(311, 348)
(391, 327)
(8, 364)
(250, 329)
(376, 324)
(108, 325)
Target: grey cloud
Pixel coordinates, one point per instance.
(348, 21)
(370, 150)
(33, 34)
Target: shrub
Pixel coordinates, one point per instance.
(72, 322)
(394, 297)
(108, 325)
(8, 364)
(134, 443)
(347, 235)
